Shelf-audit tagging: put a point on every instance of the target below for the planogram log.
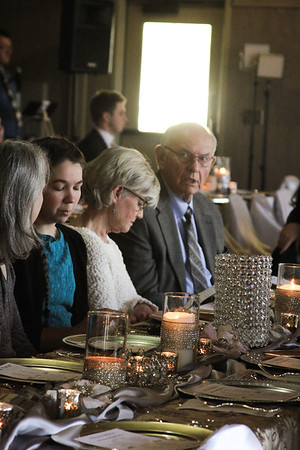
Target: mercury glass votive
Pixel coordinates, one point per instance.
(143, 371)
(6, 418)
(68, 402)
(242, 297)
(204, 346)
(171, 360)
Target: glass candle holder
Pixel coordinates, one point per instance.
(104, 361)
(242, 297)
(68, 403)
(222, 174)
(287, 296)
(204, 346)
(143, 371)
(6, 418)
(180, 326)
(171, 360)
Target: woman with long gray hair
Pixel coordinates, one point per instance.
(24, 172)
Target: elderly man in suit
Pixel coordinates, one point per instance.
(156, 250)
(108, 111)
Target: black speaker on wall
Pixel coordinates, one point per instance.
(87, 34)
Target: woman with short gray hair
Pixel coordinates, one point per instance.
(117, 186)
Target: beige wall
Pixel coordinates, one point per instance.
(36, 35)
(278, 26)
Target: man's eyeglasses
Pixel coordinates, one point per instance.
(142, 203)
(187, 158)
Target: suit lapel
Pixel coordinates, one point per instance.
(166, 221)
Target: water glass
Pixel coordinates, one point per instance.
(105, 348)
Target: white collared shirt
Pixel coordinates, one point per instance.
(108, 138)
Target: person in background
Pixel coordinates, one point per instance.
(24, 172)
(157, 253)
(9, 102)
(108, 111)
(51, 284)
(288, 248)
(118, 184)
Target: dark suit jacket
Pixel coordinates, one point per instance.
(92, 145)
(151, 249)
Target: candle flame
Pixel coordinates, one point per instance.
(223, 170)
(70, 406)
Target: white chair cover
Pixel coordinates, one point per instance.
(241, 229)
(263, 218)
(282, 205)
(290, 182)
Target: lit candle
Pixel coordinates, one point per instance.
(172, 360)
(6, 417)
(223, 179)
(287, 304)
(179, 334)
(68, 403)
(179, 317)
(205, 346)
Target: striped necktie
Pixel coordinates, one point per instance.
(196, 266)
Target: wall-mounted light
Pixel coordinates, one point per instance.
(270, 65)
(249, 56)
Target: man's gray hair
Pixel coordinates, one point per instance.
(119, 166)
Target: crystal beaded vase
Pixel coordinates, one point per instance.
(242, 298)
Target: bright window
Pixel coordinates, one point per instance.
(174, 75)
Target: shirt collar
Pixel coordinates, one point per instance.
(179, 206)
(108, 137)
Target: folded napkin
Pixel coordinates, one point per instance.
(232, 437)
(36, 423)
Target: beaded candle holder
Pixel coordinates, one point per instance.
(242, 296)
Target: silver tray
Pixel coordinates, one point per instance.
(259, 391)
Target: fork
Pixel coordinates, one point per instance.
(268, 412)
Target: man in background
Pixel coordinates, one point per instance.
(158, 251)
(108, 111)
(10, 114)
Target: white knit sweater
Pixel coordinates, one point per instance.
(109, 285)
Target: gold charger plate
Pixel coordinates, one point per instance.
(161, 430)
(48, 366)
(134, 341)
(263, 391)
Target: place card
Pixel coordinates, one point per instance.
(15, 371)
(122, 439)
(244, 394)
(284, 362)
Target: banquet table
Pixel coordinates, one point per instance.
(280, 430)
